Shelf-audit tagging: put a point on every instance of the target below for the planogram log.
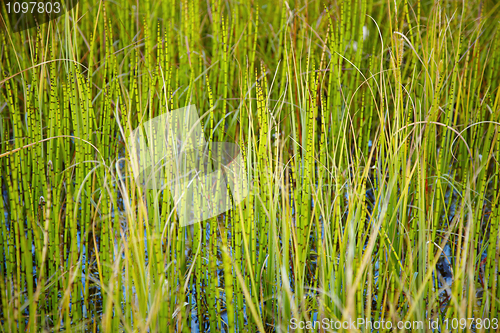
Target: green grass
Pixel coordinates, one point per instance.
(374, 164)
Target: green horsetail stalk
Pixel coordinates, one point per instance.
(251, 166)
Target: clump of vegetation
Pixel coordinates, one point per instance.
(370, 130)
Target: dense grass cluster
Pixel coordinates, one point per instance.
(370, 129)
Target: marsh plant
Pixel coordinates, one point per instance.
(369, 130)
